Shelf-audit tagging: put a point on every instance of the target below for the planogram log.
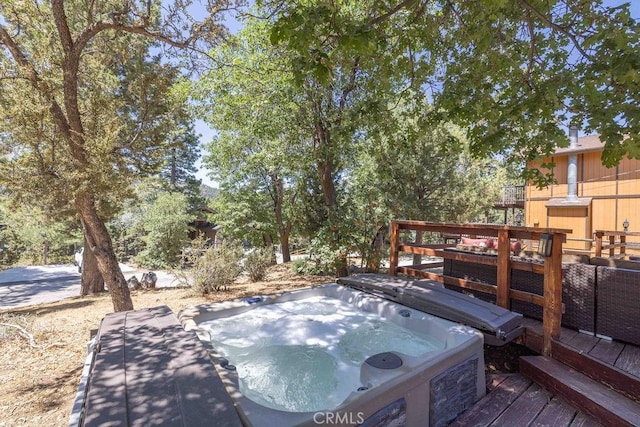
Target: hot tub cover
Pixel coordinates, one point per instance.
(498, 324)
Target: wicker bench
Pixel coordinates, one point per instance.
(471, 271)
(618, 296)
(578, 290)
(578, 295)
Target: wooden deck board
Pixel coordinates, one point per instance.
(607, 351)
(491, 406)
(610, 375)
(596, 399)
(525, 409)
(583, 342)
(514, 400)
(566, 335)
(557, 413)
(583, 420)
(495, 380)
(614, 353)
(628, 360)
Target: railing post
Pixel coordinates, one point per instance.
(552, 310)
(599, 235)
(612, 248)
(623, 243)
(393, 250)
(504, 269)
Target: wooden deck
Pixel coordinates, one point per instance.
(625, 357)
(593, 355)
(514, 400)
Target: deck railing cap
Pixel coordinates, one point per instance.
(480, 226)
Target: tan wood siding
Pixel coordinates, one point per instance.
(603, 212)
(629, 177)
(560, 170)
(535, 211)
(615, 194)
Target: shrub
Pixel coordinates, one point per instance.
(216, 268)
(312, 265)
(257, 262)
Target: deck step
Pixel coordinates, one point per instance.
(605, 373)
(592, 397)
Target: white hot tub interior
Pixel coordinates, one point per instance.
(285, 358)
(305, 355)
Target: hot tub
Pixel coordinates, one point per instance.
(337, 356)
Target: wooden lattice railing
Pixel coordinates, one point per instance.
(612, 240)
(551, 301)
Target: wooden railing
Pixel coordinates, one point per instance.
(613, 240)
(551, 301)
(512, 196)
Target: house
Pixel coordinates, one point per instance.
(587, 195)
(201, 226)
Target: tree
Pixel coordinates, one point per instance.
(410, 168)
(166, 223)
(516, 74)
(179, 168)
(30, 235)
(305, 130)
(58, 112)
(254, 156)
(325, 112)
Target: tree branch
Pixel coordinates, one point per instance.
(546, 20)
(37, 83)
(532, 48)
(23, 332)
(392, 11)
(60, 20)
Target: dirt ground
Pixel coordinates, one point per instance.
(39, 376)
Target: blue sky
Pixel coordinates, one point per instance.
(206, 133)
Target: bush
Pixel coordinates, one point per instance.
(257, 262)
(322, 258)
(216, 268)
(312, 266)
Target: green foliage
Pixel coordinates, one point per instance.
(255, 154)
(30, 237)
(123, 98)
(354, 145)
(245, 214)
(325, 254)
(515, 75)
(179, 165)
(166, 226)
(256, 263)
(216, 268)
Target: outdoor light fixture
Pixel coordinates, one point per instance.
(546, 244)
(625, 224)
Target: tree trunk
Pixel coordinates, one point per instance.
(45, 253)
(375, 257)
(99, 242)
(417, 258)
(284, 228)
(325, 170)
(91, 281)
(284, 244)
